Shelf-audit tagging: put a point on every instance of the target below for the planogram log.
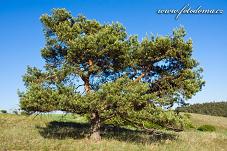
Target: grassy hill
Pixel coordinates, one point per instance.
(52, 132)
(208, 108)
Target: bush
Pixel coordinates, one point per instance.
(208, 128)
(3, 111)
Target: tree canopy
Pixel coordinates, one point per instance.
(126, 81)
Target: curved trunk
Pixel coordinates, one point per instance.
(95, 119)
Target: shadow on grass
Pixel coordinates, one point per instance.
(61, 130)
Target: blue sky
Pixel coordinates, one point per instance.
(22, 38)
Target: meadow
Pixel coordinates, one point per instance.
(69, 132)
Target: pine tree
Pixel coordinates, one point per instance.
(126, 82)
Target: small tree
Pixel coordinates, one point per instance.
(126, 82)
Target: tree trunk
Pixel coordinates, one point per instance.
(86, 85)
(91, 65)
(86, 78)
(95, 119)
(95, 127)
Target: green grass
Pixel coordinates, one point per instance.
(54, 132)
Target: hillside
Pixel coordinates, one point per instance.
(209, 108)
(52, 132)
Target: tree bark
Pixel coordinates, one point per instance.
(95, 127)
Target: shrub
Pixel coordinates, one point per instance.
(208, 128)
(3, 111)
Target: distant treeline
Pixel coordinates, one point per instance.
(211, 108)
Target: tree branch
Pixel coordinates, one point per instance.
(139, 77)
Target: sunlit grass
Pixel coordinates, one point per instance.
(25, 133)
